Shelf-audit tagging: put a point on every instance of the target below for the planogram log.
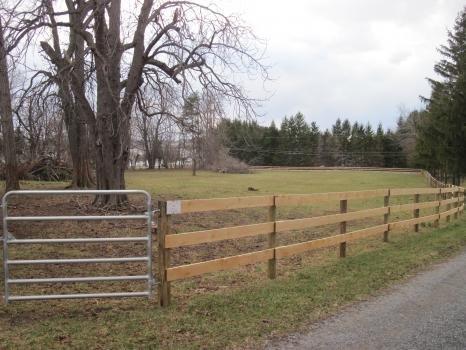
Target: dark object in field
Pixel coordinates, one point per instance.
(252, 189)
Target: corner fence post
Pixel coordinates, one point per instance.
(343, 209)
(416, 212)
(386, 217)
(163, 255)
(456, 204)
(272, 240)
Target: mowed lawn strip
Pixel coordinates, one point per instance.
(245, 317)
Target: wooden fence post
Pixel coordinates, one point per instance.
(164, 254)
(343, 209)
(455, 205)
(443, 195)
(386, 203)
(449, 196)
(416, 212)
(460, 204)
(438, 197)
(272, 267)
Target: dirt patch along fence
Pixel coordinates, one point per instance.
(447, 203)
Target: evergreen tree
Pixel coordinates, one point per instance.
(345, 145)
(270, 145)
(327, 149)
(314, 135)
(441, 143)
(393, 152)
(296, 141)
(379, 151)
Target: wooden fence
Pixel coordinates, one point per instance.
(449, 202)
(432, 181)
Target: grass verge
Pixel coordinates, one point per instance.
(244, 317)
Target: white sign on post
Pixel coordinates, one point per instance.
(173, 207)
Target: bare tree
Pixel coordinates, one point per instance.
(41, 124)
(210, 114)
(17, 27)
(9, 144)
(152, 118)
(65, 76)
(176, 46)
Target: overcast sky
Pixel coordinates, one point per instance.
(356, 59)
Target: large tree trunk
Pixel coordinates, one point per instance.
(78, 133)
(148, 149)
(151, 161)
(9, 143)
(113, 112)
(78, 139)
(79, 151)
(194, 158)
(74, 112)
(194, 167)
(112, 121)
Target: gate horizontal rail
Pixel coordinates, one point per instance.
(77, 240)
(77, 279)
(77, 218)
(77, 261)
(9, 240)
(78, 296)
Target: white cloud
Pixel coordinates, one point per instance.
(359, 59)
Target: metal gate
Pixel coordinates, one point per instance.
(8, 240)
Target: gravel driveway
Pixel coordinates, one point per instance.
(427, 312)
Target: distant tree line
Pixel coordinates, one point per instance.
(298, 143)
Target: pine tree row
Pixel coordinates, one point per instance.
(297, 143)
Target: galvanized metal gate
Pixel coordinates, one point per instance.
(9, 240)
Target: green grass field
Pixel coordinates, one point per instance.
(181, 184)
(241, 308)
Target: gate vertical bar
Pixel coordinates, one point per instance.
(5, 246)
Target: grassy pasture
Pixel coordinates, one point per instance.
(233, 309)
(181, 184)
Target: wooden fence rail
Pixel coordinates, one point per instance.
(453, 200)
